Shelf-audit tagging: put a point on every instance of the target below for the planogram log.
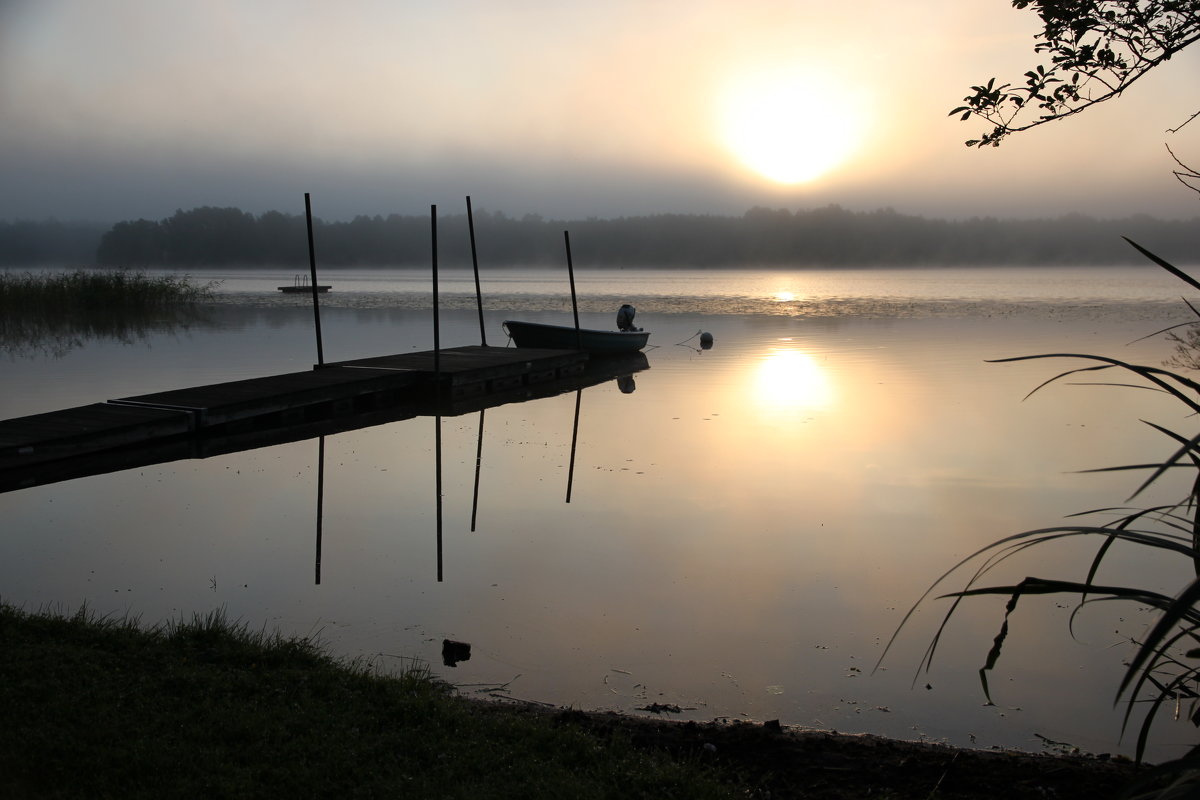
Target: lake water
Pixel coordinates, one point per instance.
(746, 527)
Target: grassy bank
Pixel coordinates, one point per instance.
(103, 708)
(83, 290)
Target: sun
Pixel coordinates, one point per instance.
(789, 126)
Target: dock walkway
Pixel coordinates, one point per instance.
(329, 391)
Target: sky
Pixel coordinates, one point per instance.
(123, 109)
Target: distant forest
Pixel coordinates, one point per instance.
(824, 237)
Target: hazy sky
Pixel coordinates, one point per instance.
(116, 109)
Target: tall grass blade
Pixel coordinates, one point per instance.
(1178, 273)
(1182, 607)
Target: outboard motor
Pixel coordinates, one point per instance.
(625, 318)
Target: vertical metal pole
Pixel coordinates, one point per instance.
(312, 268)
(475, 264)
(437, 335)
(574, 302)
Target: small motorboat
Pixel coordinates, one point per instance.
(567, 337)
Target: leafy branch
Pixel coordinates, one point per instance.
(1097, 50)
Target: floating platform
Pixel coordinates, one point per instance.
(239, 415)
(300, 284)
(298, 289)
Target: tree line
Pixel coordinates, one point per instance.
(830, 236)
(31, 243)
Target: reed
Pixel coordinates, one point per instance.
(1164, 670)
(30, 293)
(54, 313)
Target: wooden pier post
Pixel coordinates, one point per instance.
(475, 265)
(574, 302)
(312, 268)
(437, 337)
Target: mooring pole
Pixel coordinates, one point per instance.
(312, 268)
(475, 265)
(437, 335)
(574, 302)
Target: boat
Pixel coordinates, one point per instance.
(300, 284)
(567, 337)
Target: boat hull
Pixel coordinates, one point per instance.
(565, 337)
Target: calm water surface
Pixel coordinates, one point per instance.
(746, 528)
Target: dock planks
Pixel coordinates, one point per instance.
(62, 434)
(402, 384)
(220, 403)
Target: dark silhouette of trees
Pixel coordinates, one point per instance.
(210, 235)
(139, 243)
(26, 243)
(830, 236)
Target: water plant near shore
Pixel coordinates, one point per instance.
(1164, 671)
(55, 312)
(80, 289)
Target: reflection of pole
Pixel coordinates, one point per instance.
(437, 438)
(320, 501)
(478, 462)
(574, 439)
(574, 302)
(312, 267)
(475, 264)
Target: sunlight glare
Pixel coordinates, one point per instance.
(792, 379)
(789, 126)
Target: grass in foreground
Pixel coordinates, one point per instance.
(102, 708)
(99, 708)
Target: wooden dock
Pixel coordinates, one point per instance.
(383, 387)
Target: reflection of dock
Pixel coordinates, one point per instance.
(221, 418)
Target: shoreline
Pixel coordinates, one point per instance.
(106, 707)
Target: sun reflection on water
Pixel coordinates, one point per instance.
(791, 379)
